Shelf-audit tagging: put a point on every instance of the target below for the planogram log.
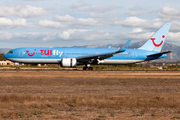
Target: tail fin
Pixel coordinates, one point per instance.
(156, 42)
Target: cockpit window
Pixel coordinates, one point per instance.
(11, 52)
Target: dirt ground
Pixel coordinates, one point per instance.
(89, 95)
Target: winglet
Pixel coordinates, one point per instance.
(125, 46)
(109, 47)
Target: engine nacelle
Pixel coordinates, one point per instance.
(68, 62)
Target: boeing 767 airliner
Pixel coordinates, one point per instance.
(71, 57)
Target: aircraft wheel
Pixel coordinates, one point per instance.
(87, 68)
(84, 68)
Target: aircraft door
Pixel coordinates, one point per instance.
(134, 55)
(20, 53)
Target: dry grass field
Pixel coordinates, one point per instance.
(89, 95)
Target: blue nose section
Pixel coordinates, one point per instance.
(5, 56)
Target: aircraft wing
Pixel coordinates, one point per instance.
(159, 54)
(102, 56)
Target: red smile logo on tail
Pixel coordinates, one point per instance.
(157, 45)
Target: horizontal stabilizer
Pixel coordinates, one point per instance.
(126, 45)
(159, 54)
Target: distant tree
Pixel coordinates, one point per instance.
(2, 57)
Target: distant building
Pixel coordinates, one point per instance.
(160, 67)
(6, 62)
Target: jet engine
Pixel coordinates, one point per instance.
(68, 62)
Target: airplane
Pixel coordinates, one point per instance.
(72, 57)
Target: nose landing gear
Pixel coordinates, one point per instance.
(17, 65)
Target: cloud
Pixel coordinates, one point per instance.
(95, 19)
(88, 22)
(170, 13)
(88, 35)
(136, 30)
(51, 24)
(139, 13)
(23, 11)
(145, 35)
(80, 4)
(67, 34)
(67, 10)
(9, 36)
(148, 24)
(108, 15)
(65, 18)
(33, 0)
(49, 36)
(173, 36)
(71, 34)
(24, 36)
(7, 23)
(136, 8)
(139, 35)
(5, 36)
(137, 22)
(81, 35)
(78, 35)
(92, 9)
(175, 27)
(52, 10)
(68, 21)
(132, 13)
(99, 35)
(99, 9)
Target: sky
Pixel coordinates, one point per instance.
(66, 23)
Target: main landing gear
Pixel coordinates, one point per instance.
(87, 67)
